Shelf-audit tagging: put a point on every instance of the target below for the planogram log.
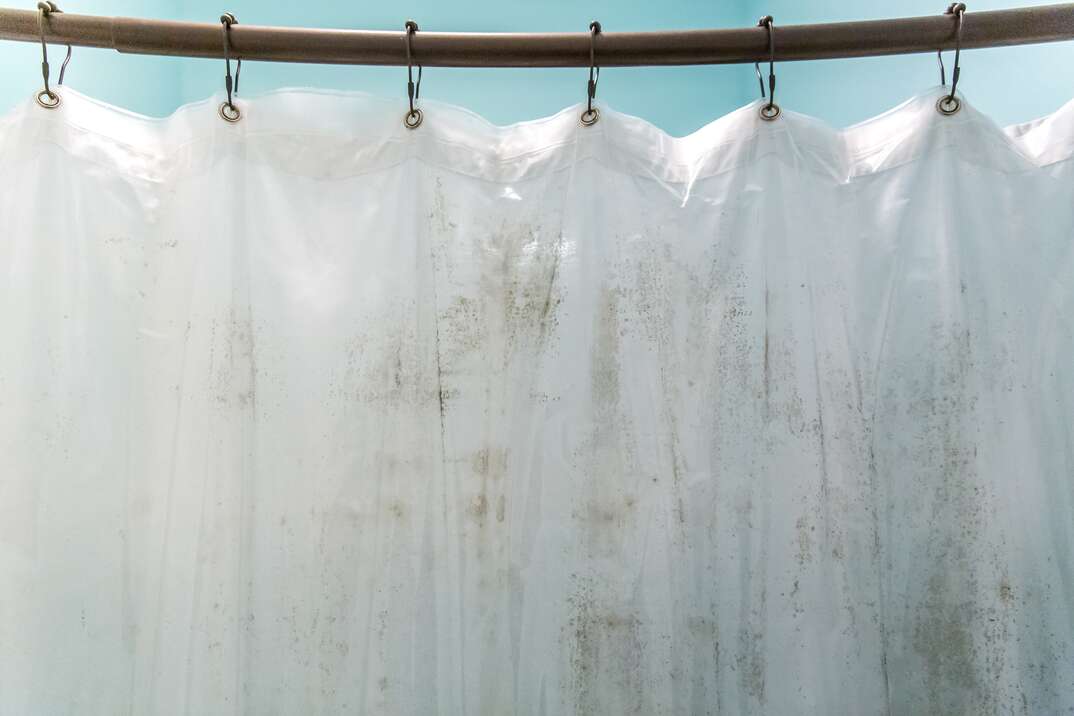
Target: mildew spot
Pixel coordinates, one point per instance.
(944, 638)
(750, 663)
(805, 540)
(397, 509)
(1006, 592)
(479, 507)
(606, 654)
(490, 462)
(604, 356)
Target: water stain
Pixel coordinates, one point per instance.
(490, 462)
(479, 507)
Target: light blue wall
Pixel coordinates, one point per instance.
(1010, 84)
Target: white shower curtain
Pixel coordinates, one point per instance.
(314, 414)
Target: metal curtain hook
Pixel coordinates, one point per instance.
(414, 116)
(46, 97)
(770, 110)
(53, 8)
(591, 113)
(228, 110)
(949, 104)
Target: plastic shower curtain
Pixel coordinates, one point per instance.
(314, 414)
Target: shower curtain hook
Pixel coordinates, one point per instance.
(228, 110)
(46, 97)
(771, 110)
(591, 113)
(949, 103)
(413, 118)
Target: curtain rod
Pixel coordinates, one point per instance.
(993, 28)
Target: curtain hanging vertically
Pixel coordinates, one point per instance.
(311, 413)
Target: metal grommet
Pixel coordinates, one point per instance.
(590, 117)
(229, 112)
(770, 111)
(948, 105)
(48, 99)
(412, 119)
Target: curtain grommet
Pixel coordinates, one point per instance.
(48, 99)
(590, 117)
(948, 105)
(413, 119)
(229, 112)
(770, 112)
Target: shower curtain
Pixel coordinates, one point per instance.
(312, 413)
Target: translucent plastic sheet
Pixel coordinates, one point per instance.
(314, 414)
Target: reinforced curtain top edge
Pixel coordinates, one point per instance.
(343, 133)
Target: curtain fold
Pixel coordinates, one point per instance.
(312, 413)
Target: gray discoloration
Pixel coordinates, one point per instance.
(750, 664)
(948, 616)
(397, 509)
(604, 357)
(531, 292)
(515, 308)
(943, 635)
(488, 465)
(805, 540)
(946, 657)
(606, 655)
(389, 369)
(479, 507)
(1006, 592)
(490, 462)
(464, 321)
(233, 362)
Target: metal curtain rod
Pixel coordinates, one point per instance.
(994, 28)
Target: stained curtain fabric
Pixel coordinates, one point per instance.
(315, 414)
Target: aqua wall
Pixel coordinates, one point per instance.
(1010, 84)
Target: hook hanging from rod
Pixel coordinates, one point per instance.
(591, 113)
(950, 104)
(771, 110)
(228, 110)
(414, 117)
(46, 97)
